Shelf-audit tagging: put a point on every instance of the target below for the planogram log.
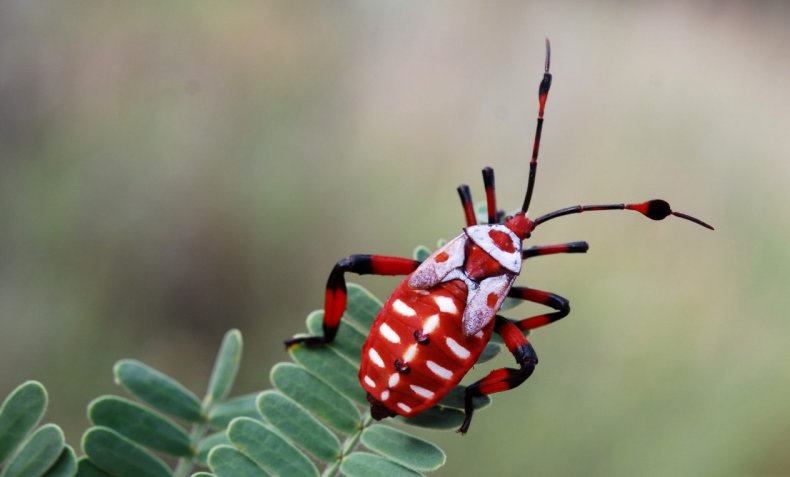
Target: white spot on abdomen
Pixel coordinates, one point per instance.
(388, 333)
(430, 324)
(369, 381)
(394, 380)
(403, 308)
(446, 304)
(420, 391)
(385, 395)
(404, 407)
(410, 353)
(438, 370)
(456, 348)
(375, 357)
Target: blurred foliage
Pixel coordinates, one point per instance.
(170, 171)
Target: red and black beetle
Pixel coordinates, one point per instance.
(434, 326)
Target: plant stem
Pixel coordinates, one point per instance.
(348, 445)
(185, 464)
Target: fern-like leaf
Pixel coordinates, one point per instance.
(128, 437)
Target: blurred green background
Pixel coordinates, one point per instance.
(169, 170)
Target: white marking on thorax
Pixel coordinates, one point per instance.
(388, 333)
(457, 349)
(479, 234)
(420, 391)
(432, 272)
(403, 308)
(479, 312)
(438, 370)
(375, 357)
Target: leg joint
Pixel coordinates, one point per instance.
(559, 303)
(359, 264)
(525, 356)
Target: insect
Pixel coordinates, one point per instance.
(434, 326)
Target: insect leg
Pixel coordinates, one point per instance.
(552, 300)
(502, 379)
(488, 181)
(466, 202)
(336, 295)
(539, 250)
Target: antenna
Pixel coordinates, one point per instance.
(543, 93)
(655, 209)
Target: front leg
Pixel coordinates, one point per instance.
(336, 295)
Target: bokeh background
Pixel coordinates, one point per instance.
(172, 170)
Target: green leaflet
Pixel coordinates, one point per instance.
(226, 365)
(489, 352)
(268, 449)
(157, 389)
(65, 466)
(403, 448)
(362, 307)
(318, 397)
(332, 369)
(295, 423)
(140, 425)
(86, 468)
(363, 464)
(226, 461)
(348, 341)
(37, 454)
(19, 414)
(421, 253)
(437, 417)
(120, 457)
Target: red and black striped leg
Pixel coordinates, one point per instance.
(336, 294)
(502, 379)
(540, 250)
(466, 201)
(552, 300)
(488, 182)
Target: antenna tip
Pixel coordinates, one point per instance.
(693, 219)
(548, 55)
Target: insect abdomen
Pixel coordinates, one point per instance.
(416, 351)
